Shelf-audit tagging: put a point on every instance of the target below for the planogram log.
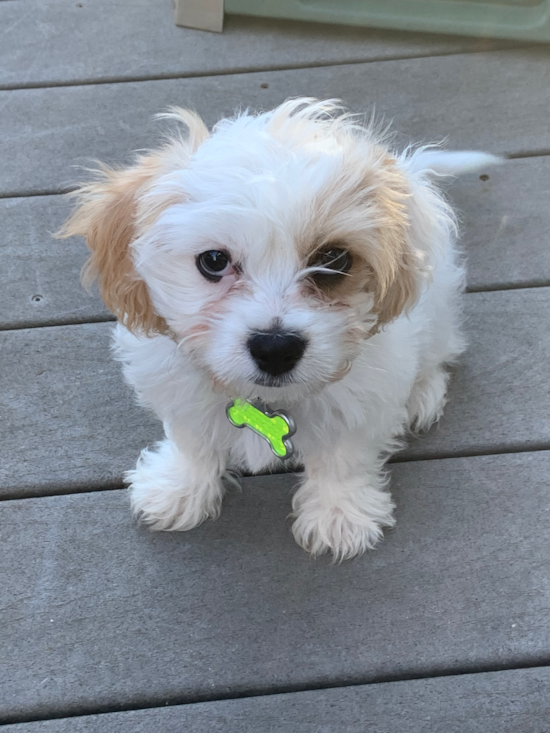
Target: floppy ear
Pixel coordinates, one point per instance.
(106, 214)
(409, 243)
(397, 266)
(413, 222)
(398, 274)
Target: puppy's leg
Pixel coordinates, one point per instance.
(428, 398)
(442, 346)
(428, 395)
(342, 506)
(178, 485)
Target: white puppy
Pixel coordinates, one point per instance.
(288, 258)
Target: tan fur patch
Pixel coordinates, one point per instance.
(107, 214)
(366, 213)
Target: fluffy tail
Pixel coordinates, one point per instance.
(450, 163)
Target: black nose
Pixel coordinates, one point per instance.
(276, 351)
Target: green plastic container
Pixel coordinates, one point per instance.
(519, 19)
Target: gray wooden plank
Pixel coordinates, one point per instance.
(99, 614)
(66, 416)
(500, 393)
(39, 275)
(505, 223)
(515, 701)
(497, 101)
(69, 423)
(61, 41)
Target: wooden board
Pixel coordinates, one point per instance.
(497, 101)
(69, 423)
(67, 418)
(515, 701)
(65, 42)
(98, 614)
(500, 392)
(39, 275)
(505, 223)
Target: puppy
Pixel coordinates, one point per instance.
(289, 259)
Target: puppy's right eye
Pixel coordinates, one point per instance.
(214, 264)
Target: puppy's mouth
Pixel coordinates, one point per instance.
(268, 380)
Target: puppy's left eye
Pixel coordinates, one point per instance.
(214, 264)
(335, 260)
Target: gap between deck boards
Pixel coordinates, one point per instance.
(515, 155)
(89, 488)
(56, 323)
(243, 70)
(276, 690)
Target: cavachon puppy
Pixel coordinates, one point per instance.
(291, 265)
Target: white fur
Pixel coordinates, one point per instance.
(250, 192)
(450, 163)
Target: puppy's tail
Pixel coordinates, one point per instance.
(437, 163)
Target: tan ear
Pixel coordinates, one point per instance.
(397, 289)
(106, 215)
(399, 268)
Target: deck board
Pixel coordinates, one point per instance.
(497, 101)
(505, 224)
(97, 613)
(64, 42)
(499, 393)
(39, 275)
(515, 701)
(68, 419)
(72, 423)
(505, 237)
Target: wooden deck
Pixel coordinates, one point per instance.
(108, 628)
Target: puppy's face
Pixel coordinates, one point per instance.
(269, 250)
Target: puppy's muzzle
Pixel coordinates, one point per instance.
(276, 351)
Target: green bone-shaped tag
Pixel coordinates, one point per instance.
(275, 427)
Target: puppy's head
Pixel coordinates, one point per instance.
(270, 249)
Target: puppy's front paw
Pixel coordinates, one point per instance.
(164, 495)
(343, 524)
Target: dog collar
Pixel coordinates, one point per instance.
(274, 426)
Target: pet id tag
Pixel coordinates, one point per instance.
(275, 427)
